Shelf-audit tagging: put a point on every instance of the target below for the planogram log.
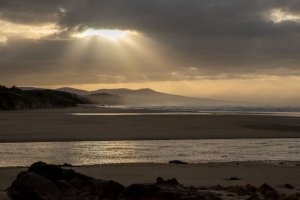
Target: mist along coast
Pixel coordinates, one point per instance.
(209, 181)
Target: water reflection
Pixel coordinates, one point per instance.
(157, 151)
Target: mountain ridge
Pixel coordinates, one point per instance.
(148, 97)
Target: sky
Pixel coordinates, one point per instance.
(240, 50)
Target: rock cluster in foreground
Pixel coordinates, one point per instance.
(51, 182)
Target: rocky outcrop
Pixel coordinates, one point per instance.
(265, 188)
(52, 182)
(30, 186)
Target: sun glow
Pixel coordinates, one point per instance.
(109, 34)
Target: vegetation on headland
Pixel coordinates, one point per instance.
(16, 99)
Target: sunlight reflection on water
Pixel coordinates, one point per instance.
(157, 151)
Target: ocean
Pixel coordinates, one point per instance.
(277, 151)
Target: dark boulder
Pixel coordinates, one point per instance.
(171, 194)
(177, 162)
(66, 190)
(252, 188)
(140, 191)
(292, 197)
(264, 188)
(51, 172)
(234, 179)
(111, 190)
(253, 197)
(168, 183)
(288, 186)
(208, 196)
(167, 195)
(271, 195)
(217, 187)
(239, 190)
(69, 174)
(102, 189)
(80, 180)
(67, 165)
(30, 186)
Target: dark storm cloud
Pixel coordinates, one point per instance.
(233, 37)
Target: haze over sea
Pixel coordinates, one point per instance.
(238, 109)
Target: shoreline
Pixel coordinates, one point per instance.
(166, 163)
(132, 140)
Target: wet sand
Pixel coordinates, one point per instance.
(60, 125)
(197, 175)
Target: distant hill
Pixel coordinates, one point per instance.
(149, 97)
(152, 98)
(17, 99)
(73, 90)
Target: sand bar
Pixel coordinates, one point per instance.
(60, 125)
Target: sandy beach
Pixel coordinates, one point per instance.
(61, 125)
(197, 175)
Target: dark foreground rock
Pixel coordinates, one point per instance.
(52, 182)
(264, 188)
(30, 186)
(178, 162)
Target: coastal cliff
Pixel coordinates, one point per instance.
(16, 99)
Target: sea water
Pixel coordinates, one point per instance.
(154, 151)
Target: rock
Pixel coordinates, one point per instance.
(67, 191)
(53, 173)
(230, 195)
(239, 189)
(159, 181)
(252, 188)
(30, 186)
(289, 186)
(264, 188)
(90, 188)
(271, 195)
(111, 190)
(168, 183)
(168, 195)
(217, 187)
(234, 179)
(209, 196)
(102, 189)
(69, 174)
(67, 165)
(139, 191)
(192, 188)
(253, 197)
(177, 162)
(291, 197)
(80, 181)
(202, 188)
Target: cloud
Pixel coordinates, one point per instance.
(232, 39)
